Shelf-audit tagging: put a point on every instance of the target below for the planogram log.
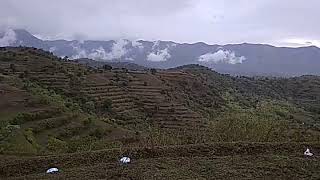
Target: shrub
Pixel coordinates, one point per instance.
(98, 133)
(153, 71)
(56, 145)
(89, 106)
(124, 84)
(107, 105)
(24, 117)
(13, 68)
(28, 134)
(266, 122)
(87, 121)
(106, 67)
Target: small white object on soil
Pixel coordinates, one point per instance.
(52, 170)
(125, 160)
(308, 153)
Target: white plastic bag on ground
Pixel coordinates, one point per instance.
(52, 170)
(125, 160)
(308, 153)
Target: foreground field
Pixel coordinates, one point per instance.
(201, 161)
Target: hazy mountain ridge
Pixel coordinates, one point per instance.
(240, 59)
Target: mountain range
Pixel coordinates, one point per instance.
(235, 59)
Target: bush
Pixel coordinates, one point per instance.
(24, 117)
(49, 97)
(89, 106)
(98, 133)
(28, 134)
(87, 121)
(124, 84)
(13, 68)
(267, 122)
(107, 67)
(6, 130)
(57, 145)
(107, 105)
(153, 71)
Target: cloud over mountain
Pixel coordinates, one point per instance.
(159, 56)
(117, 51)
(222, 56)
(7, 37)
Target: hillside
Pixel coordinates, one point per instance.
(51, 107)
(237, 59)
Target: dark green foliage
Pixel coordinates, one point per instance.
(153, 71)
(89, 106)
(124, 84)
(98, 133)
(88, 121)
(13, 68)
(56, 145)
(107, 105)
(6, 130)
(25, 117)
(107, 67)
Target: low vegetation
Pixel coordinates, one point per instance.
(53, 106)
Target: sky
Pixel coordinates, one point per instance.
(278, 22)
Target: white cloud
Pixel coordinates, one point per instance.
(159, 56)
(98, 54)
(137, 44)
(173, 45)
(155, 44)
(52, 49)
(221, 56)
(298, 42)
(9, 37)
(118, 50)
(129, 59)
(79, 52)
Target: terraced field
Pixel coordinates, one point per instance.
(132, 94)
(121, 101)
(56, 113)
(142, 93)
(58, 81)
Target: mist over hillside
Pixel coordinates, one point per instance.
(237, 59)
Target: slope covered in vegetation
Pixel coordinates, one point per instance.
(52, 106)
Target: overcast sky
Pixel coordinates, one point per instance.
(277, 22)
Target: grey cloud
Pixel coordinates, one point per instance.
(7, 37)
(211, 21)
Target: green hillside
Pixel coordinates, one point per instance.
(53, 106)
